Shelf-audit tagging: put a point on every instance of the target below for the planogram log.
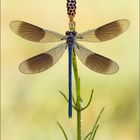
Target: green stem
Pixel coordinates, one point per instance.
(75, 69)
(78, 98)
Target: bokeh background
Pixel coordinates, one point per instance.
(31, 104)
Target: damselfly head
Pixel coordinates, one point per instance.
(74, 33)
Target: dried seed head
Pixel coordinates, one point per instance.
(71, 8)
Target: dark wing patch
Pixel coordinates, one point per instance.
(105, 32)
(94, 61)
(43, 61)
(36, 64)
(101, 64)
(34, 33)
(111, 30)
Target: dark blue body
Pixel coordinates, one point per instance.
(70, 42)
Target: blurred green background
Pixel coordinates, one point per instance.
(31, 104)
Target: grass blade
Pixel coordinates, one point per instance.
(87, 135)
(93, 136)
(95, 125)
(67, 99)
(90, 99)
(64, 133)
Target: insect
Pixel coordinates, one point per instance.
(92, 60)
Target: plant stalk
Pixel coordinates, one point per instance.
(78, 98)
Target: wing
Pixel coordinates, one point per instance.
(94, 61)
(34, 33)
(43, 61)
(105, 32)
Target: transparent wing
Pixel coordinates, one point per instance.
(105, 32)
(43, 61)
(94, 61)
(33, 33)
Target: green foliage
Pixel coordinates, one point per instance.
(77, 106)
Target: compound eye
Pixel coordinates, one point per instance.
(67, 33)
(74, 33)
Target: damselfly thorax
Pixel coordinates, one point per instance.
(70, 37)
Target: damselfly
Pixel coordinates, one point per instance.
(92, 60)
